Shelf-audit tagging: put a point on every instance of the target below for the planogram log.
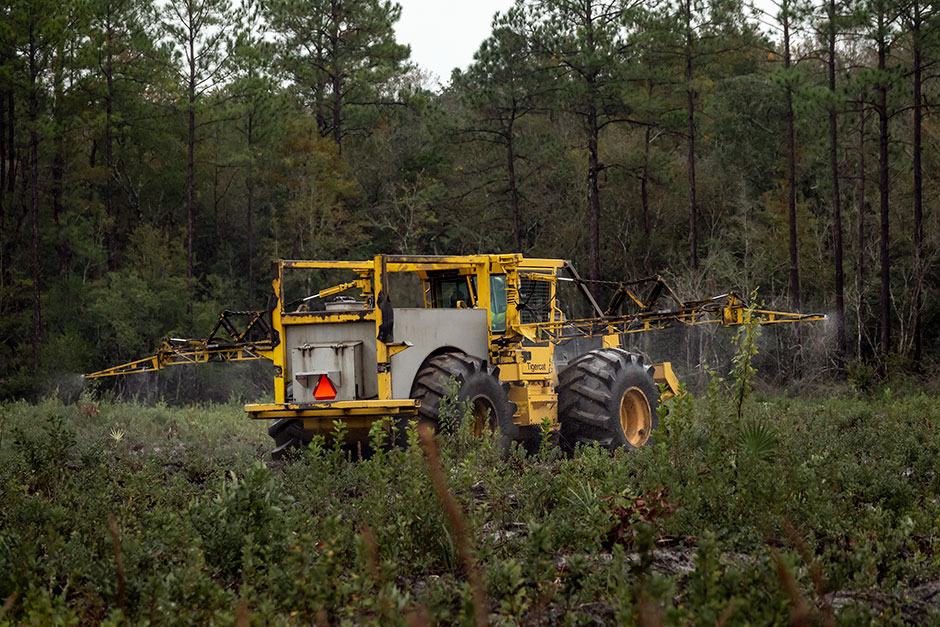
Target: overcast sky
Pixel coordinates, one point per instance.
(444, 34)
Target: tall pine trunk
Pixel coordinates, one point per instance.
(191, 158)
(645, 201)
(8, 154)
(791, 200)
(110, 209)
(918, 187)
(791, 178)
(11, 143)
(593, 128)
(3, 190)
(836, 199)
(34, 191)
(58, 161)
(690, 119)
(513, 185)
(250, 188)
(883, 183)
(862, 209)
(320, 113)
(594, 200)
(337, 113)
(335, 80)
(694, 334)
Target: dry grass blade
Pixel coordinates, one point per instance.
(800, 615)
(456, 519)
(418, 617)
(372, 554)
(241, 615)
(118, 559)
(728, 613)
(322, 620)
(649, 614)
(815, 571)
(9, 603)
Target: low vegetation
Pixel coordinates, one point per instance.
(799, 510)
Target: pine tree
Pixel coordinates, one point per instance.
(38, 28)
(257, 105)
(883, 15)
(197, 30)
(342, 56)
(586, 42)
(116, 49)
(502, 87)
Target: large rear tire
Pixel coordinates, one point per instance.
(478, 385)
(607, 396)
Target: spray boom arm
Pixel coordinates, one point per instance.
(727, 310)
(255, 341)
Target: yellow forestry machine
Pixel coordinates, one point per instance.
(504, 328)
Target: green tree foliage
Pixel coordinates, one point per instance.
(37, 32)
(312, 219)
(506, 82)
(634, 138)
(586, 43)
(256, 106)
(116, 54)
(342, 57)
(196, 31)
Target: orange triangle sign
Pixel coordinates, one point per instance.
(325, 390)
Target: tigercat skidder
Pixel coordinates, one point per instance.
(523, 342)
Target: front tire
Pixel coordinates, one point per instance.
(478, 386)
(608, 397)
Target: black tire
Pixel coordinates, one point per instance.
(289, 435)
(478, 384)
(290, 439)
(532, 439)
(607, 396)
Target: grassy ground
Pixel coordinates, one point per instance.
(798, 510)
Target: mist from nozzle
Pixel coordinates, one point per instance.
(66, 387)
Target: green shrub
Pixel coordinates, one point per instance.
(204, 525)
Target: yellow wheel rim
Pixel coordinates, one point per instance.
(483, 415)
(635, 416)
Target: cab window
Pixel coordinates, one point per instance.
(448, 292)
(498, 303)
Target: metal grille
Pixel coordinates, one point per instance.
(534, 301)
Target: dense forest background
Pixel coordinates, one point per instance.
(154, 157)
